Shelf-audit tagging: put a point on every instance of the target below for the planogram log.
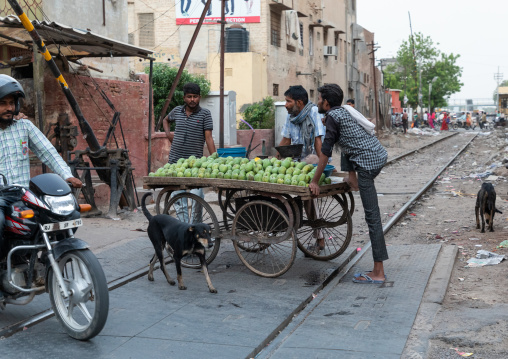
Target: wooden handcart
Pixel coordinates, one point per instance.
(265, 221)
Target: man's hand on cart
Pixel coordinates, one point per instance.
(314, 184)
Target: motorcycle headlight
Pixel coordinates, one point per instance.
(61, 205)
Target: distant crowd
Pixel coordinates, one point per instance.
(444, 120)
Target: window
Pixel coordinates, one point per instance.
(311, 95)
(336, 43)
(275, 89)
(146, 30)
(275, 28)
(301, 33)
(311, 42)
(341, 50)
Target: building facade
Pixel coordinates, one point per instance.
(290, 42)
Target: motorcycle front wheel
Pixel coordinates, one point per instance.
(83, 314)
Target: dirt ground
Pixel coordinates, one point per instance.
(473, 318)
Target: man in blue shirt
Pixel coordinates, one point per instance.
(303, 124)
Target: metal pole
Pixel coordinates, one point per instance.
(222, 50)
(420, 95)
(375, 87)
(182, 65)
(150, 105)
(88, 134)
(430, 89)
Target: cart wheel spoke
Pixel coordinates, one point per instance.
(265, 222)
(333, 224)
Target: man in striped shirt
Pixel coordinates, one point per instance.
(365, 155)
(193, 128)
(17, 136)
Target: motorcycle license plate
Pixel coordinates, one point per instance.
(50, 227)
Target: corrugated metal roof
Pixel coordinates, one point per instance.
(61, 39)
(503, 90)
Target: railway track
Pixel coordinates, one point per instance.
(397, 189)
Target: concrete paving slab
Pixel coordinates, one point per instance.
(146, 317)
(363, 320)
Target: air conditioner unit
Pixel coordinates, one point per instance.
(330, 50)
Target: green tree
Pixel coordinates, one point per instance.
(163, 78)
(260, 115)
(423, 55)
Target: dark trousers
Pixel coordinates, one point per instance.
(182, 5)
(404, 125)
(232, 5)
(209, 9)
(368, 194)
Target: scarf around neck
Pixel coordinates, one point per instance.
(306, 123)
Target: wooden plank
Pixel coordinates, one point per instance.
(193, 182)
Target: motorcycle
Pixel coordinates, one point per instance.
(40, 254)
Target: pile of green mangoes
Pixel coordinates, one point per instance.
(267, 170)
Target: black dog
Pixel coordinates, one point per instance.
(179, 239)
(486, 205)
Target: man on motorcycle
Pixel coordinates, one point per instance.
(17, 136)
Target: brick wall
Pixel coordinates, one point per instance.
(129, 98)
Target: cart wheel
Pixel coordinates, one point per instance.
(271, 243)
(161, 198)
(335, 226)
(296, 210)
(181, 207)
(349, 203)
(228, 205)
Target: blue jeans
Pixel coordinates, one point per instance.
(182, 208)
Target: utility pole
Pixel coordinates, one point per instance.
(498, 77)
(222, 50)
(373, 58)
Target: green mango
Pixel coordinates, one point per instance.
(275, 170)
(290, 170)
(266, 178)
(328, 180)
(287, 181)
(266, 163)
(302, 183)
(220, 175)
(280, 180)
(282, 170)
(258, 177)
(294, 182)
(296, 172)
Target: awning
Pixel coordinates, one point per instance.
(68, 41)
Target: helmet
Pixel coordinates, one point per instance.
(10, 86)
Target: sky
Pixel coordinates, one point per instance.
(474, 29)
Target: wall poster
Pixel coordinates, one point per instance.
(188, 12)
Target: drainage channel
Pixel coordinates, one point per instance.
(275, 339)
(340, 271)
